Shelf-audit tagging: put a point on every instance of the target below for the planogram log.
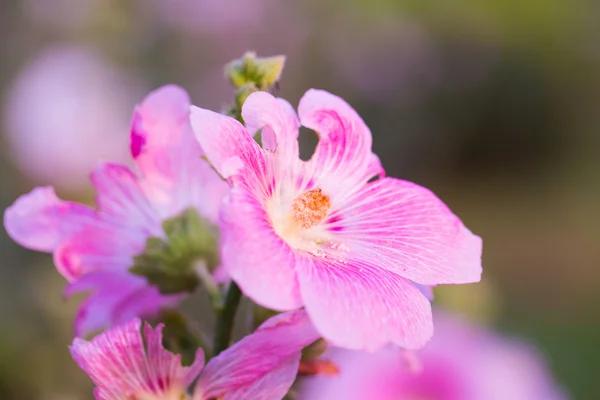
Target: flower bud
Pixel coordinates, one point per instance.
(262, 72)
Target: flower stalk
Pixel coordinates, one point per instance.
(225, 319)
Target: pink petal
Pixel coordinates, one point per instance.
(255, 257)
(159, 120)
(103, 246)
(118, 364)
(146, 302)
(178, 178)
(279, 126)
(278, 122)
(115, 360)
(406, 229)
(267, 357)
(359, 306)
(227, 143)
(165, 364)
(122, 201)
(271, 386)
(175, 176)
(40, 221)
(343, 157)
(115, 297)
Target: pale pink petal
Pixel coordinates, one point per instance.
(359, 306)
(271, 386)
(121, 367)
(176, 178)
(278, 122)
(114, 297)
(404, 228)
(265, 357)
(426, 291)
(122, 201)
(343, 155)
(255, 257)
(174, 174)
(374, 168)
(107, 289)
(225, 140)
(40, 221)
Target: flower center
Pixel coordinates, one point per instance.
(310, 208)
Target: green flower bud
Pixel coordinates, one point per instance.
(262, 72)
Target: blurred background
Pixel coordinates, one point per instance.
(493, 104)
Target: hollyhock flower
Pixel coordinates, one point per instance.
(462, 362)
(262, 366)
(321, 234)
(94, 248)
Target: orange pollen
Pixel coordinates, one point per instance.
(310, 208)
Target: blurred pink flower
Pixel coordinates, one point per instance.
(320, 234)
(67, 109)
(462, 362)
(94, 248)
(211, 15)
(262, 366)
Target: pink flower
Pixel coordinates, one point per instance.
(461, 362)
(124, 365)
(262, 366)
(321, 234)
(94, 248)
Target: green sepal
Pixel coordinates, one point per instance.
(169, 263)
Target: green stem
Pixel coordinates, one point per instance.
(225, 319)
(179, 337)
(209, 283)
